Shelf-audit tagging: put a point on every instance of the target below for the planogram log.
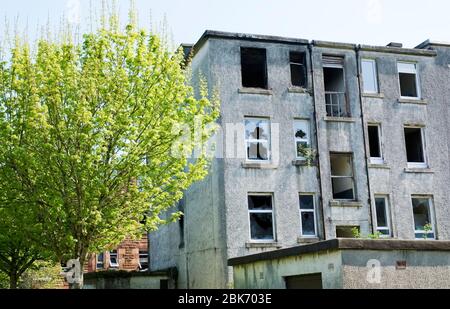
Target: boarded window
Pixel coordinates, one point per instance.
(261, 217)
(342, 176)
(298, 69)
(254, 68)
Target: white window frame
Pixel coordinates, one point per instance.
(97, 261)
(419, 165)
(262, 141)
(111, 264)
(373, 63)
(306, 140)
(146, 253)
(419, 92)
(430, 214)
(344, 177)
(261, 212)
(313, 211)
(377, 160)
(387, 210)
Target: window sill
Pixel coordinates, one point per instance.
(379, 166)
(340, 119)
(412, 101)
(373, 95)
(262, 245)
(350, 204)
(419, 170)
(260, 166)
(306, 240)
(300, 90)
(259, 91)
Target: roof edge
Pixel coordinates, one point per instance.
(430, 44)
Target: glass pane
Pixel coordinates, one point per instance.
(421, 209)
(259, 202)
(258, 151)
(369, 76)
(261, 226)
(381, 207)
(257, 129)
(306, 202)
(341, 165)
(343, 189)
(384, 232)
(308, 224)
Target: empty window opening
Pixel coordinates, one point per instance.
(415, 147)
(308, 216)
(100, 260)
(261, 218)
(298, 69)
(409, 82)
(423, 218)
(342, 176)
(376, 155)
(143, 259)
(347, 231)
(113, 259)
(302, 131)
(257, 138)
(335, 94)
(369, 74)
(383, 223)
(304, 282)
(254, 68)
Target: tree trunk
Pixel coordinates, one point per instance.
(13, 280)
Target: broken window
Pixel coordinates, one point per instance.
(409, 81)
(261, 217)
(308, 216)
(376, 154)
(347, 231)
(257, 138)
(298, 69)
(254, 68)
(335, 94)
(415, 147)
(143, 259)
(100, 260)
(113, 259)
(342, 176)
(369, 74)
(423, 218)
(302, 133)
(383, 223)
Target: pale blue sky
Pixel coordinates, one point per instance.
(374, 22)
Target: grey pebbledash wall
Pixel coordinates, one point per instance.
(216, 224)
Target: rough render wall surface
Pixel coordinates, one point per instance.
(424, 270)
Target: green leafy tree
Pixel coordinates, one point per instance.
(93, 133)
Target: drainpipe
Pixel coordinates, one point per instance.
(316, 117)
(367, 157)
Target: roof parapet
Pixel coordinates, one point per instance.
(429, 44)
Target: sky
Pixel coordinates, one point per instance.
(373, 22)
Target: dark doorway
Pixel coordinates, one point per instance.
(304, 282)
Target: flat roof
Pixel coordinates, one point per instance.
(344, 244)
(421, 50)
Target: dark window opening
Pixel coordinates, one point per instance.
(335, 94)
(254, 68)
(261, 217)
(347, 231)
(374, 142)
(414, 145)
(408, 85)
(100, 261)
(342, 176)
(298, 69)
(304, 282)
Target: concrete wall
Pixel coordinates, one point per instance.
(136, 282)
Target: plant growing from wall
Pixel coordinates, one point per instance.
(307, 153)
(428, 229)
(375, 236)
(356, 233)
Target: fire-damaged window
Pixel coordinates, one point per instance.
(298, 69)
(423, 217)
(254, 67)
(261, 217)
(342, 176)
(409, 81)
(257, 139)
(415, 147)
